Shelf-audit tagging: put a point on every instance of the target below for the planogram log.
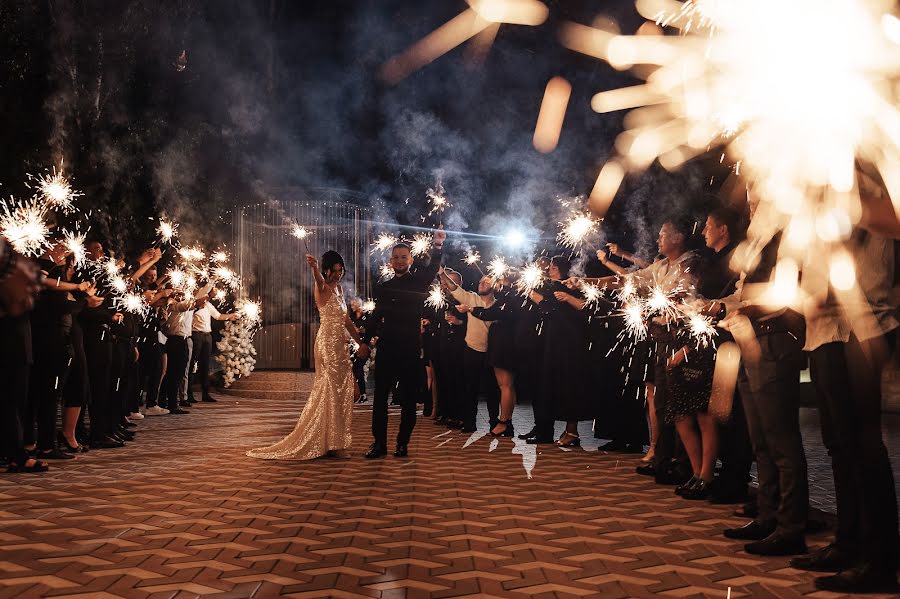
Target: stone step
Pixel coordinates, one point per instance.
(252, 394)
(265, 385)
(276, 375)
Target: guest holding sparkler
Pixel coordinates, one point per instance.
(449, 366)
(201, 333)
(477, 372)
(529, 344)
(565, 365)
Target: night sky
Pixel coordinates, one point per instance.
(284, 93)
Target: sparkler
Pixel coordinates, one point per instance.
(74, 243)
(178, 277)
(133, 303)
(437, 199)
(192, 254)
(386, 271)
(301, 232)
(384, 242)
(472, 259)
(436, 297)
(250, 310)
(420, 244)
(701, 329)
(167, 231)
(110, 267)
(57, 191)
(497, 268)
(219, 256)
(530, 278)
(119, 284)
(368, 306)
(627, 290)
(23, 225)
(227, 277)
(662, 303)
(635, 325)
(220, 294)
(575, 230)
(592, 294)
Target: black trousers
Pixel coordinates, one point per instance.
(359, 372)
(53, 355)
(98, 350)
(122, 380)
(150, 370)
(528, 390)
(397, 372)
(847, 377)
(478, 374)
(449, 371)
(200, 359)
(177, 352)
(15, 377)
(667, 443)
(770, 395)
(735, 448)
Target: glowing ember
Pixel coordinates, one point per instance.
(575, 230)
(420, 244)
(111, 267)
(119, 284)
(635, 326)
(384, 242)
(498, 267)
(592, 294)
(219, 257)
(178, 277)
(627, 290)
(220, 294)
(530, 278)
(299, 232)
(74, 243)
(386, 271)
(701, 329)
(252, 311)
(166, 230)
(226, 276)
(22, 224)
(133, 303)
(192, 254)
(472, 258)
(57, 191)
(662, 303)
(437, 199)
(436, 297)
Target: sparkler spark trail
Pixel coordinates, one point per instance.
(472, 258)
(497, 268)
(23, 225)
(592, 294)
(219, 256)
(57, 191)
(627, 290)
(119, 284)
(220, 294)
(74, 243)
(436, 297)
(133, 303)
(368, 306)
(178, 277)
(385, 271)
(252, 311)
(420, 244)
(662, 303)
(437, 199)
(299, 232)
(167, 230)
(530, 278)
(192, 254)
(384, 242)
(701, 329)
(227, 277)
(576, 229)
(635, 326)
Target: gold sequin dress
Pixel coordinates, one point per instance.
(324, 424)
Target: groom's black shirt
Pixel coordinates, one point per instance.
(399, 303)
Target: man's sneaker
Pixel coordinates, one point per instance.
(155, 411)
(135, 416)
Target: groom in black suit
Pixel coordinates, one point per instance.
(396, 322)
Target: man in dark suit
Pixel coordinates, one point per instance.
(396, 322)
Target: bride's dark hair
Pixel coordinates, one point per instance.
(330, 259)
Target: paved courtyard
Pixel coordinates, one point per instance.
(183, 513)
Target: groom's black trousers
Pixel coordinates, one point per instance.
(396, 370)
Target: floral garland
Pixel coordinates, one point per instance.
(236, 351)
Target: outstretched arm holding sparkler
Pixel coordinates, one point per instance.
(147, 259)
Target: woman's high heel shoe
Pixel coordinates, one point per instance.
(508, 430)
(64, 444)
(574, 440)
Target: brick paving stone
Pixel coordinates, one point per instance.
(464, 516)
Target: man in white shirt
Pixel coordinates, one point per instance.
(201, 335)
(177, 331)
(475, 366)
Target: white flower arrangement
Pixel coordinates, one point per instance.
(236, 351)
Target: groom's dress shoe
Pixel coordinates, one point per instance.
(376, 451)
(401, 451)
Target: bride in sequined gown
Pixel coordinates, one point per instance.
(324, 425)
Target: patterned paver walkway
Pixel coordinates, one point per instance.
(183, 513)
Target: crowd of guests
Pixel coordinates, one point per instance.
(567, 354)
(81, 368)
(557, 347)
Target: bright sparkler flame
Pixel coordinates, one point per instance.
(436, 297)
(385, 271)
(192, 254)
(133, 303)
(592, 294)
(530, 278)
(472, 258)
(575, 230)
(167, 230)
(23, 225)
(111, 267)
(219, 256)
(119, 284)
(420, 244)
(178, 277)
(701, 329)
(220, 294)
(498, 267)
(226, 276)
(299, 231)
(794, 92)
(635, 325)
(368, 306)
(57, 191)
(437, 199)
(662, 303)
(627, 290)
(384, 242)
(252, 311)
(74, 243)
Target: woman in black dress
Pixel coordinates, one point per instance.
(565, 370)
(504, 313)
